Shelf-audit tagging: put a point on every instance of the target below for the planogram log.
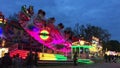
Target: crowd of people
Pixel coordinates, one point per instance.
(111, 58)
(18, 62)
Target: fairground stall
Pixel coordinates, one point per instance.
(82, 50)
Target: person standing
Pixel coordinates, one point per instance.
(105, 58)
(75, 58)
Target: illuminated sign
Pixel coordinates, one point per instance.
(44, 35)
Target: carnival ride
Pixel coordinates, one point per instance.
(46, 33)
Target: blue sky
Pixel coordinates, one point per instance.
(103, 13)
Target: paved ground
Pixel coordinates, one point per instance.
(95, 65)
(69, 65)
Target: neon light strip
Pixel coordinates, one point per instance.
(86, 61)
(84, 46)
(57, 57)
(36, 36)
(42, 56)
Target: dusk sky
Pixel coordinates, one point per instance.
(102, 13)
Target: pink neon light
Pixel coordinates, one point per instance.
(55, 36)
(49, 44)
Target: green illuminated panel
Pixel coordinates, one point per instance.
(84, 46)
(60, 57)
(86, 61)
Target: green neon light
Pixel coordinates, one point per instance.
(44, 36)
(86, 61)
(83, 46)
(60, 57)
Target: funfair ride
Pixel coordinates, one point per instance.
(43, 30)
